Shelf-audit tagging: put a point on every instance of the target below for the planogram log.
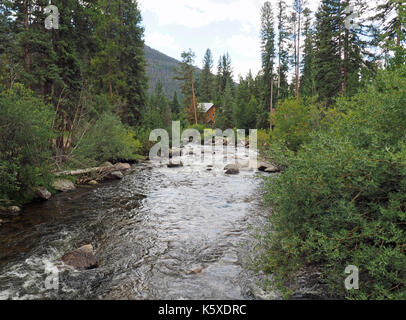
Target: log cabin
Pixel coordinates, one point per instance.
(210, 110)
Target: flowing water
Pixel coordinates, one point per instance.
(149, 231)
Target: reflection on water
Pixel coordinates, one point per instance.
(149, 230)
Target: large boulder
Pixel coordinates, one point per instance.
(63, 185)
(42, 193)
(82, 258)
(122, 166)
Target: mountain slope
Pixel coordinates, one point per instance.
(160, 68)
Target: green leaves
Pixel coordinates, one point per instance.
(25, 135)
(342, 200)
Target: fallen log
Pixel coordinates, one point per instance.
(79, 172)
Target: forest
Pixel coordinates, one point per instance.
(328, 103)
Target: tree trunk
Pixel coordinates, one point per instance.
(346, 61)
(194, 100)
(279, 78)
(27, 58)
(110, 84)
(298, 57)
(271, 102)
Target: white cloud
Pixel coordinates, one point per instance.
(161, 41)
(200, 13)
(244, 51)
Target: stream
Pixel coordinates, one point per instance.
(149, 231)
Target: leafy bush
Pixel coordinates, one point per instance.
(25, 139)
(342, 200)
(107, 140)
(293, 123)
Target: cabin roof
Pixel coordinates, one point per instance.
(206, 106)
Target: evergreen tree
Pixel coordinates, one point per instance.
(186, 73)
(328, 50)
(392, 34)
(268, 56)
(228, 106)
(283, 54)
(206, 78)
(175, 106)
(121, 56)
(298, 7)
(307, 80)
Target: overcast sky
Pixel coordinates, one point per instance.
(233, 26)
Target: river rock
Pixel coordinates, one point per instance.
(122, 166)
(42, 193)
(176, 164)
(116, 175)
(267, 167)
(14, 209)
(82, 258)
(63, 185)
(232, 169)
(272, 169)
(93, 183)
(175, 152)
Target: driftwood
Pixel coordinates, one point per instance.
(79, 172)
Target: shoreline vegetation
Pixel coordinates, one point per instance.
(74, 100)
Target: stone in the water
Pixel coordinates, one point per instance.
(82, 258)
(176, 164)
(175, 152)
(116, 175)
(232, 166)
(63, 185)
(232, 169)
(42, 193)
(93, 183)
(197, 270)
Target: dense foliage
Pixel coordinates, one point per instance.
(25, 134)
(342, 200)
(87, 85)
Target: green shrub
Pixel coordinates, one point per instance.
(342, 200)
(25, 140)
(107, 140)
(294, 121)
